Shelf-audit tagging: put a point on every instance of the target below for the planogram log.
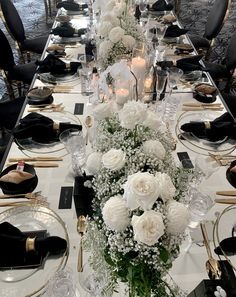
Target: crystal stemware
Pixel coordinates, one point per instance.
(160, 31)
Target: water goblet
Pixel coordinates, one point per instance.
(160, 31)
(204, 168)
(88, 63)
(161, 77)
(175, 75)
(143, 8)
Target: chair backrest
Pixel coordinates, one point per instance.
(12, 20)
(230, 55)
(215, 18)
(6, 57)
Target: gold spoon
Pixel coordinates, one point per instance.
(81, 228)
(88, 124)
(212, 265)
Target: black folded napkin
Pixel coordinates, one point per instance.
(228, 245)
(54, 65)
(231, 175)
(40, 128)
(137, 13)
(66, 30)
(161, 5)
(186, 64)
(83, 195)
(18, 249)
(216, 130)
(204, 98)
(174, 31)
(69, 5)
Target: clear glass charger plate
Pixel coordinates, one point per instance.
(28, 282)
(33, 146)
(58, 78)
(207, 145)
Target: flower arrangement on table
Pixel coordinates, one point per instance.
(140, 212)
(117, 31)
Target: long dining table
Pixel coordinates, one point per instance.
(189, 268)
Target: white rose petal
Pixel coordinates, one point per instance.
(148, 228)
(177, 217)
(154, 148)
(116, 214)
(114, 159)
(102, 111)
(141, 189)
(116, 34)
(167, 189)
(153, 122)
(128, 41)
(132, 114)
(94, 162)
(104, 29)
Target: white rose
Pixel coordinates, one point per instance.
(128, 41)
(116, 214)
(148, 228)
(110, 5)
(114, 159)
(104, 47)
(94, 162)
(154, 148)
(119, 9)
(153, 122)
(104, 29)
(116, 34)
(109, 17)
(167, 189)
(141, 189)
(132, 114)
(177, 217)
(102, 111)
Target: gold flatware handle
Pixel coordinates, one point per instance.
(41, 159)
(80, 256)
(196, 108)
(226, 201)
(190, 104)
(41, 164)
(206, 240)
(226, 193)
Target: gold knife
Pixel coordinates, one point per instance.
(226, 193)
(196, 108)
(190, 104)
(226, 201)
(16, 159)
(81, 228)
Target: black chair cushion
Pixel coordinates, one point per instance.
(13, 20)
(217, 71)
(23, 72)
(35, 45)
(6, 57)
(199, 42)
(215, 18)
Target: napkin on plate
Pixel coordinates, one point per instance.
(228, 245)
(174, 31)
(161, 5)
(72, 6)
(15, 250)
(40, 127)
(66, 30)
(54, 65)
(214, 131)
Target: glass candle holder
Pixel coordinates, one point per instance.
(122, 91)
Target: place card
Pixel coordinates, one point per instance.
(79, 108)
(185, 160)
(65, 200)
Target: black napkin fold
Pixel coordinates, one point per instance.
(66, 30)
(161, 5)
(40, 127)
(13, 251)
(186, 64)
(174, 31)
(54, 65)
(228, 245)
(69, 5)
(219, 128)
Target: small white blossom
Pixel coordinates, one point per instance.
(116, 34)
(154, 148)
(94, 162)
(114, 159)
(141, 189)
(132, 114)
(148, 227)
(115, 213)
(167, 189)
(177, 217)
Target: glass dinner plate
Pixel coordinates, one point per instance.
(39, 147)
(58, 78)
(26, 282)
(205, 144)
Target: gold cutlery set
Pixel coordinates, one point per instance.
(81, 229)
(44, 162)
(50, 108)
(223, 160)
(202, 106)
(33, 198)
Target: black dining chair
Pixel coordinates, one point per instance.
(215, 21)
(14, 26)
(14, 75)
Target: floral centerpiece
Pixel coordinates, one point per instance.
(117, 31)
(140, 211)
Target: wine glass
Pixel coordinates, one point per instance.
(92, 282)
(142, 7)
(160, 31)
(88, 63)
(161, 77)
(174, 76)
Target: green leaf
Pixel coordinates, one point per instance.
(108, 259)
(164, 254)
